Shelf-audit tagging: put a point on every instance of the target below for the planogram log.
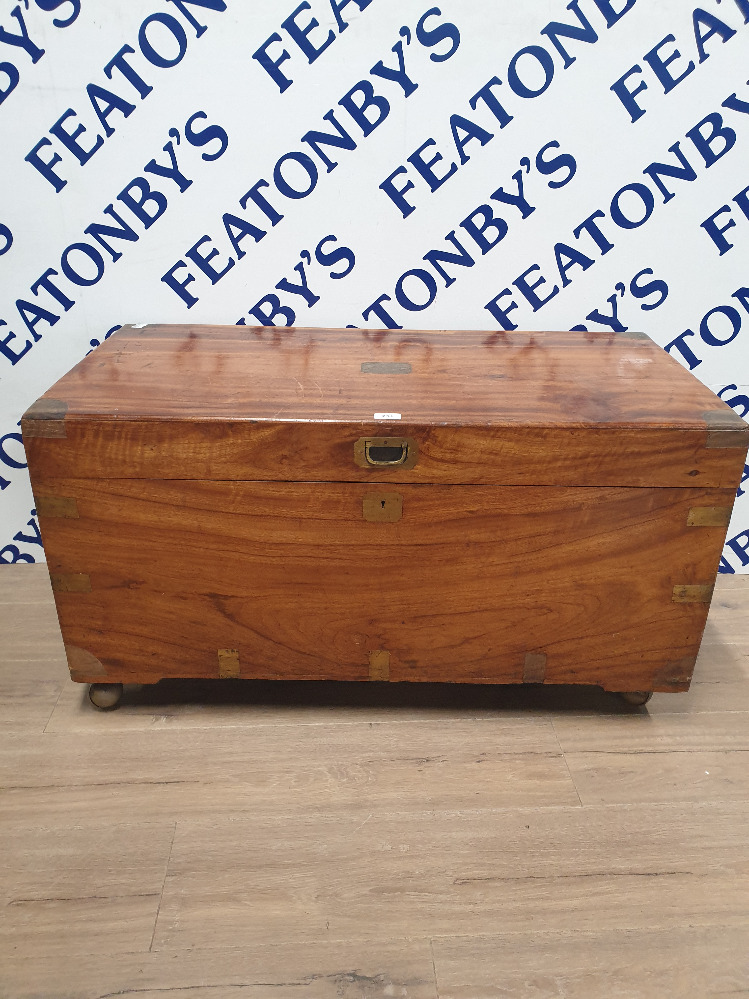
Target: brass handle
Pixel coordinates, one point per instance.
(386, 452)
(378, 453)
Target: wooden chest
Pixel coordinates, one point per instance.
(382, 505)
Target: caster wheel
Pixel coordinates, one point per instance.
(636, 697)
(105, 696)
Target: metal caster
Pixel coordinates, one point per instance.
(635, 697)
(105, 696)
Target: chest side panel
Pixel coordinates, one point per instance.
(455, 583)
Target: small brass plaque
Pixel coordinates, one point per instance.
(385, 368)
(228, 664)
(57, 506)
(379, 665)
(693, 594)
(709, 516)
(382, 508)
(70, 582)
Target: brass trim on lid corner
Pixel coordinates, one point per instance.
(45, 418)
(725, 429)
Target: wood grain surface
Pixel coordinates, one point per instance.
(468, 583)
(687, 962)
(258, 403)
(371, 841)
(461, 376)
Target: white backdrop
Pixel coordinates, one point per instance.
(160, 163)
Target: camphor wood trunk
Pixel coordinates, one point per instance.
(383, 505)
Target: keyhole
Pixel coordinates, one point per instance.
(382, 504)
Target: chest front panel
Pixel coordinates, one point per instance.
(350, 581)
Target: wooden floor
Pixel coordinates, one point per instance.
(323, 841)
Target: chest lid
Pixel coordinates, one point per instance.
(464, 406)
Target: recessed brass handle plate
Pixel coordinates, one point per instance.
(386, 452)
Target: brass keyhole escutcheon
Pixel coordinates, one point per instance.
(382, 508)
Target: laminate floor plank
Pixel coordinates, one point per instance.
(30, 632)
(25, 583)
(49, 862)
(526, 779)
(688, 962)
(732, 581)
(37, 929)
(287, 769)
(68, 889)
(379, 968)
(719, 731)
(326, 877)
(28, 699)
(613, 778)
(727, 621)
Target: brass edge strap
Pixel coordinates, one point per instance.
(725, 429)
(676, 673)
(45, 418)
(687, 593)
(228, 664)
(379, 665)
(83, 663)
(534, 668)
(65, 507)
(709, 516)
(70, 582)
